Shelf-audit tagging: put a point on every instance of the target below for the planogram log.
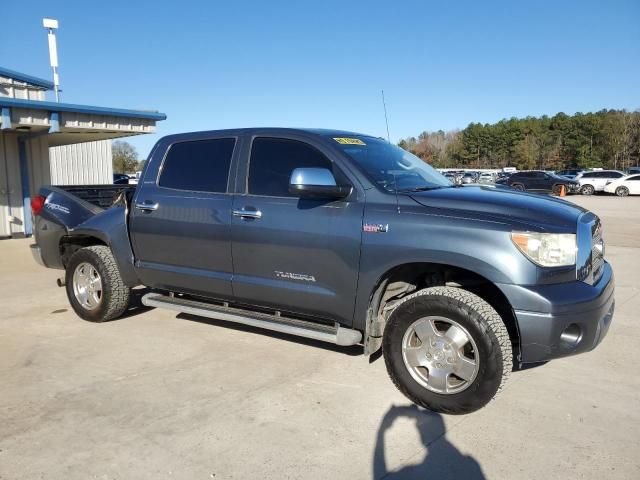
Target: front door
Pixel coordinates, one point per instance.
(181, 221)
(293, 254)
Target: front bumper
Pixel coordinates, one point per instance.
(562, 319)
(573, 188)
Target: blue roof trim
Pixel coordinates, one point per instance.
(23, 77)
(69, 107)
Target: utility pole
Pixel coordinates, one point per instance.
(52, 25)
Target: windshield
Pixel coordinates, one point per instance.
(391, 167)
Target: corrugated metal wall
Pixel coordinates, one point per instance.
(12, 213)
(86, 163)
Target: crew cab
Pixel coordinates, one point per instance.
(343, 238)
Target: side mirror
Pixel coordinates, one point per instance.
(316, 183)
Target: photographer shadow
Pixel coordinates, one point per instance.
(441, 461)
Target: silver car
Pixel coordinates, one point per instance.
(595, 181)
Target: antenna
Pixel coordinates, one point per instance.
(52, 25)
(386, 120)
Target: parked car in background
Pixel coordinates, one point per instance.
(486, 177)
(592, 182)
(632, 170)
(628, 185)
(469, 177)
(570, 173)
(539, 181)
(120, 179)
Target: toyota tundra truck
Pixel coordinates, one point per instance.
(343, 238)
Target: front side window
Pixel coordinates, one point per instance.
(637, 178)
(274, 159)
(199, 166)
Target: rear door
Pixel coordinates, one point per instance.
(180, 222)
(296, 255)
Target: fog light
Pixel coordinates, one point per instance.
(571, 335)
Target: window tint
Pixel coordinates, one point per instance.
(637, 177)
(201, 166)
(614, 175)
(588, 175)
(273, 160)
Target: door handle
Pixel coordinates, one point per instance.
(147, 207)
(243, 213)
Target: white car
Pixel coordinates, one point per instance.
(629, 185)
(486, 178)
(594, 181)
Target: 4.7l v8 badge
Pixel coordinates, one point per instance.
(375, 227)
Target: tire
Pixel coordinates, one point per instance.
(488, 341)
(622, 191)
(587, 190)
(88, 269)
(518, 186)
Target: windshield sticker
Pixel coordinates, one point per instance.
(349, 141)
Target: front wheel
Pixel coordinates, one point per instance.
(622, 191)
(518, 186)
(447, 350)
(94, 286)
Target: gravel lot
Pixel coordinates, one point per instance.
(159, 396)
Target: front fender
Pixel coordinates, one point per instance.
(481, 246)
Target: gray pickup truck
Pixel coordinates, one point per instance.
(343, 238)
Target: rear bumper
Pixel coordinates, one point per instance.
(36, 253)
(562, 319)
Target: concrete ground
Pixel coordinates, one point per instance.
(156, 396)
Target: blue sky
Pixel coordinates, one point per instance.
(210, 65)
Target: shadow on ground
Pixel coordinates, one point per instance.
(441, 460)
(353, 351)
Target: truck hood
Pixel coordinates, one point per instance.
(534, 211)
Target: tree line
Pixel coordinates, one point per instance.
(607, 139)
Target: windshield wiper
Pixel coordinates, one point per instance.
(422, 189)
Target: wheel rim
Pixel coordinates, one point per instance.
(440, 355)
(622, 191)
(518, 187)
(87, 286)
(587, 190)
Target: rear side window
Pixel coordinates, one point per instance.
(588, 175)
(201, 166)
(273, 160)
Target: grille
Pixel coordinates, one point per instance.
(597, 251)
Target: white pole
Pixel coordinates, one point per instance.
(51, 25)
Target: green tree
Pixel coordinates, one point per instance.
(125, 157)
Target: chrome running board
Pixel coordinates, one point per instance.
(275, 322)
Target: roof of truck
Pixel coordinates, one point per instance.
(325, 132)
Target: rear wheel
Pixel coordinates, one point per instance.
(447, 350)
(94, 286)
(518, 186)
(587, 190)
(622, 191)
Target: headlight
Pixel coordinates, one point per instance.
(547, 249)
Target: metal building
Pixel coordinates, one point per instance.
(30, 126)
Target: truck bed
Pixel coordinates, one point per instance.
(102, 196)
